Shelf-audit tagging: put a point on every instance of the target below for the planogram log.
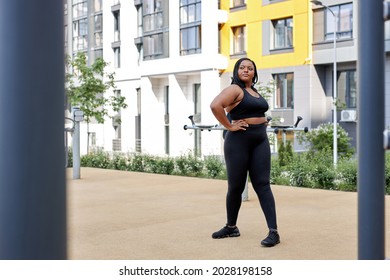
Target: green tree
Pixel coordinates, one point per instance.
(87, 87)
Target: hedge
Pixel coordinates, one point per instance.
(308, 169)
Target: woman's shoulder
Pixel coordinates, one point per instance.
(233, 91)
(233, 88)
(236, 86)
(234, 94)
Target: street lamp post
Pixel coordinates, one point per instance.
(319, 3)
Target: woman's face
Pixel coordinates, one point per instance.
(246, 71)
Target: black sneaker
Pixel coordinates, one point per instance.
(272, 239)
(226, 232)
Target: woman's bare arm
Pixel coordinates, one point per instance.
(225, 99)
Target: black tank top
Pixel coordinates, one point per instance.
(249, 107)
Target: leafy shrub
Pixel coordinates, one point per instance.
(323, 172)
(283, 179)
(214, 166)
(313, 169)
(136, 163)
(196, 166)
(182, 165)
(347, 175)
(300, 171)
(97, 159)
(387, 172)
(70, 157)
(278, 175)
(275, 169)
(188, 165)
(160, 165)
(324, 176)
(119, 162)
(285, 153)
(321, 138)
(167, 165)
(148, 163)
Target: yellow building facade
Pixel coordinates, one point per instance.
(259, 19)
(277, 36)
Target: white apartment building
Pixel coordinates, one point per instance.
(167, 66)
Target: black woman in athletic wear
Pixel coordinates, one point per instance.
(246, 148)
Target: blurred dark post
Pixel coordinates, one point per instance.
(371, 108)
(32, 173)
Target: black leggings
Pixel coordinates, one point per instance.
(249, 150)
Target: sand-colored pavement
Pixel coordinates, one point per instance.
(120, 215)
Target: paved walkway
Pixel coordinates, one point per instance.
(120, 215)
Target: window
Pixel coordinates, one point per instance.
(283, 33)
(80, 8)
(98, 30)
(98, 23)
(98, 39)
(155, 28)
(346, 88)
(190, 40)
(80, 37)
(344, 19)
(153, 15)
(190, 26)
(238, 3)
(190, 11)
(98, 53)
(284, 96)
(80, 27)
(239, 39)
(92, 139)
(139, 21)
(153, 45)
(117, 57)
(116, 26)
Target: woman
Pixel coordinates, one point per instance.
(246, 148)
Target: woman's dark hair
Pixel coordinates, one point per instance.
(236, 80)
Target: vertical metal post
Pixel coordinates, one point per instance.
(32, 173)
(76, 144)
(76, 150)
(334, 88)
(371, 159)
